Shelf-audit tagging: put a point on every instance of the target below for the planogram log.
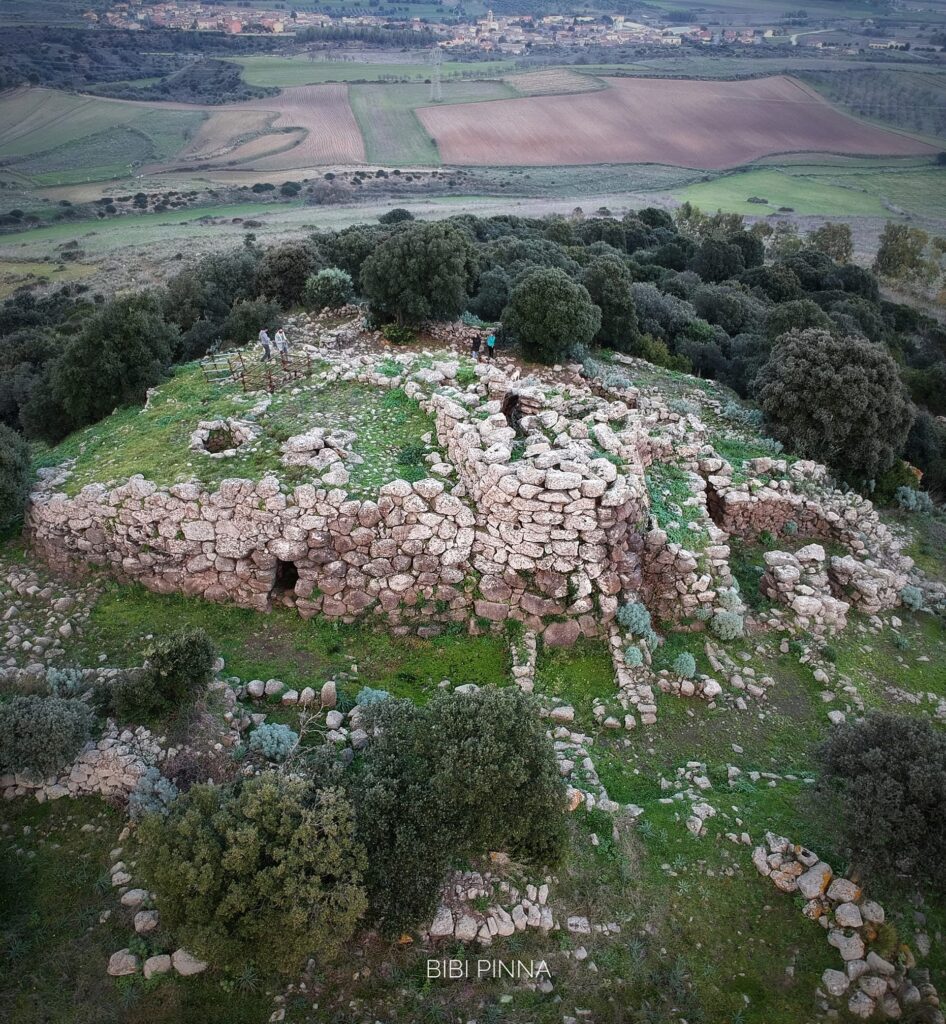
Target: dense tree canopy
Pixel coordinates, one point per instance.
(549, 314)
(420, 272)
(837, 400)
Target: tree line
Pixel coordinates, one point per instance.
(839, 373)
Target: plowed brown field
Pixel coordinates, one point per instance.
(666, 121)
(323, 111)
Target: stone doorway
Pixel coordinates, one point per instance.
(285, 580)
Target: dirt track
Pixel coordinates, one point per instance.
(685, 123)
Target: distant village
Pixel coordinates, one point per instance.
(510, 34)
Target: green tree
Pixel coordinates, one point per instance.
(466, 774)
(902, 254)
(330, 288)
(16, 473)
(838, 400)
(266, 871)
(423, 271)
(122, 350)
(891, 771)
(548, 314)
(835, 240)
(284, 270)
(717, 260)
(608, 282)
(396, 216)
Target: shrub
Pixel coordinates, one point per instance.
(892, 774)
(633, 657)
(131, 697)
(266, 871)
(367, 696)
(16, 473)
(399, 335)
(549, 314)
(466, 774)
(153, 794)
(634, 617)
(840, 401)
(912, 500)
(274, 741)
(40, 735)
(395, 216)
(182, 665)
(64, 682)
(728, 625)
(247, 318)
(912, 598)
(684, 665)
(328, 288)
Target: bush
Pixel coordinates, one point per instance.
(64, 682)
(266, 871)
(634, 617)
(399, 335)
(153, 794)
(329, 288)
(367, 695)
(396, 216)
(40, 735)
(684, 665)
(122, 350)
(16, 473)
(912, 598)
(837, 400)
(549, 315)
(912, 500)
(466, 774)
(274, 741)
(728, 625)
(633, 657)
(182, 665)
(178, 670)
(892, 774)
(247, 318)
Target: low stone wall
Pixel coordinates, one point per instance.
(779, 493)
(109, 767)
(250, 543)
(801, 582)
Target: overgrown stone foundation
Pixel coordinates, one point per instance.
(541, 514)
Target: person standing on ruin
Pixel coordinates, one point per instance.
(475, 347)
(491, 345)
(282, 343)
(265, 344)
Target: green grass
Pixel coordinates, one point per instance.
(928, 548)
(872, 188)
(392, 131)
(53, 889)
(578, 675)
(155, 441)
(874, 661)
(293, 71)
(56, 138)
(803, 195)
(669, 489)
(282, 645)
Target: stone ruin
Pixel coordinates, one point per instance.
(222, 439)
(540, 514)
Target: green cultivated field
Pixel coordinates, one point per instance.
(54, 138)
(289, 71)
(392, 131)
(841, 189)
